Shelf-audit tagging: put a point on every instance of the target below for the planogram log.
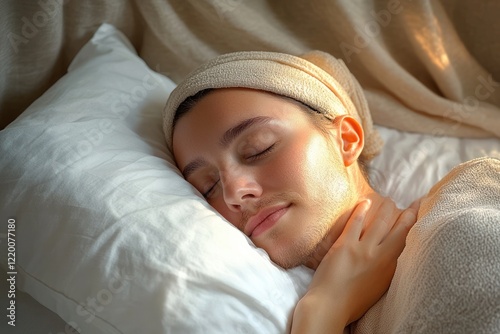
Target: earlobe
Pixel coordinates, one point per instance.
(352, 136)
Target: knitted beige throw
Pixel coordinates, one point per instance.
(448, 277)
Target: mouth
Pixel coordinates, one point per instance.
(265, 219)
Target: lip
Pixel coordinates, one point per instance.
(265, 219)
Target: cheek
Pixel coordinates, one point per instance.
(304, 165)
(220, 206)
(283, 174)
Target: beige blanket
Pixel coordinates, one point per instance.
(448, 276)
(427, 66)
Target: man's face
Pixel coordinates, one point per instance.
(262, 164)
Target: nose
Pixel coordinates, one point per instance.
(240, 188)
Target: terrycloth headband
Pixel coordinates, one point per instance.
(316, 79)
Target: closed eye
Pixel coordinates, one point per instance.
(251, 158)
(207, 193)
(261, 154)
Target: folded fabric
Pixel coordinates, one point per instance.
(316, 79)
(447, 278)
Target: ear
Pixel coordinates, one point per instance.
(352, 138)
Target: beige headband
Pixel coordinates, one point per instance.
(316, 79)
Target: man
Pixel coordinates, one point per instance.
(277, 144)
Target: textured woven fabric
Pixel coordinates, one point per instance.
(425, 66)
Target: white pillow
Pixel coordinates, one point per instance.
(108, 234)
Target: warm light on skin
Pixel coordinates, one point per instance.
(279, 159)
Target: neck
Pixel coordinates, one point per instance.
(391, 212)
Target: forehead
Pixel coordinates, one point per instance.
(223, 108)
(228, 103)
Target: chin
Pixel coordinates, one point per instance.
(292, 257)
(285, 264)
(292, 252)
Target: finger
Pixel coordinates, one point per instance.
(396, 239)
(355, 224)
(416, 204)
(381, 224)
(320, 251)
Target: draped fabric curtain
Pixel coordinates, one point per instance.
(425, 66)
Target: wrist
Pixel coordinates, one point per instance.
(316, 314)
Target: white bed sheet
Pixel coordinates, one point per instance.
(411, 163)
(31, 317)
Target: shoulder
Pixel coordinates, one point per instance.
(476, 173)
(472, 184)
(485, 164)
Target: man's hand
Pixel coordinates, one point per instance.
(357, 270)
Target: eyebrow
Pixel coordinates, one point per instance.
(193, 166)
(235, 131)
(226, 139)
